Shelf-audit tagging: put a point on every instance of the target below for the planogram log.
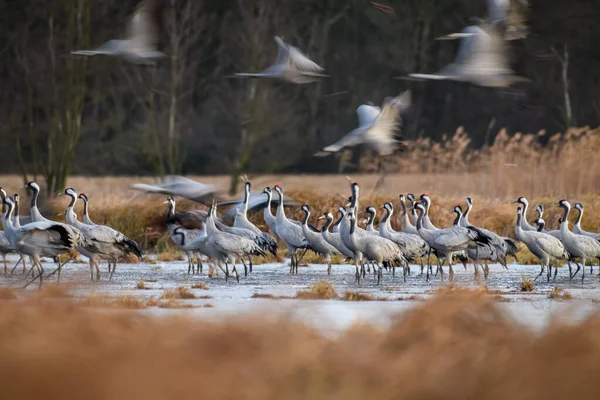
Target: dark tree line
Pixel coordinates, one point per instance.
(67, 115)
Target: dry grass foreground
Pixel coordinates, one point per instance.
(458, 345)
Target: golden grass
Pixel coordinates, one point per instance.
(263, 296)
(321, 290)
(168, 256)
(458, 346)
(141, 285)
(200, 285)
(173, 303)
(180, 292)
(102, 301)
(351, 295)
(559, 294)
(526, 285)
(548, 167)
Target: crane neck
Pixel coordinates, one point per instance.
(458, 218)
(7, 216)
(370, 221)
(305, 218)
(85, 208)
(564, 224)
(465, 215)
(170, 212)
(579, 217)
(420, 220)
(246, 199)
(339, 220)
(327, 224)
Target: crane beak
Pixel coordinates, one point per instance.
(321, 217)
(60, 194)
(514, 202)
(382, 207)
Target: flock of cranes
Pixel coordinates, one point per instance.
(46, 238)
(379, 247)
(203, 233)
(482, 60)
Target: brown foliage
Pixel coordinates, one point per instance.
(455, 346)
(321, 290)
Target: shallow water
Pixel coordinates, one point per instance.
(231, 298)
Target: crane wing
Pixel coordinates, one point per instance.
(367, 114)
(180, 186)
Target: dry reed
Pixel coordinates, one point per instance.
(320, 290)
(455, 346)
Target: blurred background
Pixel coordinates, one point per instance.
(63, 115)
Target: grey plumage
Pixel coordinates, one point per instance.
(175, 221)
(407, 226)
(580, 246)
(377, 127)
(577, 226)
(39, 239)
(291, 65)
(481, 59)
(229, 247)
(316, 241)
(173, 185)
(290, 233)
(266, 241)
(375, 248)
(141, 38)
(333, 238)
(545, 247)
(108, 243)
(413, 246)
(451, 240)
(503, 246)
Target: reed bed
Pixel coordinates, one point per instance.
(542, 167)
(458, 345)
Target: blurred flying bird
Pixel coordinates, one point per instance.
(141, 38)
(377, 127)
(510, 17)
(385, 9)
(179, 186)
(481, 59)
(291, 65)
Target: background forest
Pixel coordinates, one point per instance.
(62, 115)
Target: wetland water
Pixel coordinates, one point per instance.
(533, 309)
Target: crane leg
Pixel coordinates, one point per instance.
(576, 271)
(245, 267)
(583, 270)
(40, 275)
(540, 274)
(5, 266)
(450, 270)
(555, 269)
(404, 272)
(237, 277)
(226, 272)
(21, 260)
(97, 271)
(486, 272)
(114, 267)
(250, 261)
(357, 274)
(328, 258)
(421, 260)
(379, 273)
